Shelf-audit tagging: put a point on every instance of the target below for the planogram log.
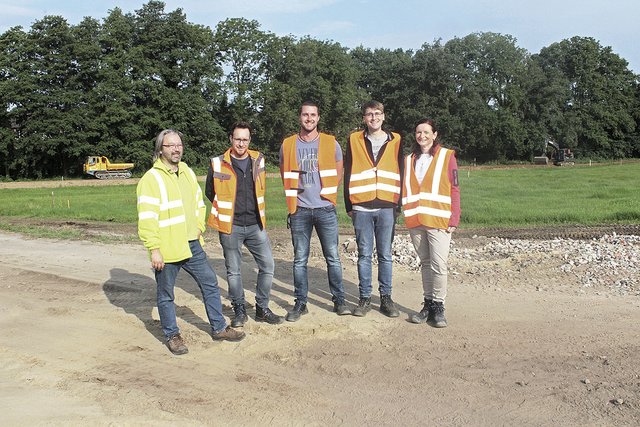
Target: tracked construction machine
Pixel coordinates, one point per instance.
(101, 168)
(552, 151)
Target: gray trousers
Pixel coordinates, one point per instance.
(432, 246)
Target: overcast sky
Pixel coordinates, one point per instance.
(386, 23)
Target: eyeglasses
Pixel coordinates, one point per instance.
(241, 141)
(172, 146)
(377, 115)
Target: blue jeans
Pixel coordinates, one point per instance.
(258, 243)
(325, 221)
(381, 226)
(199, 268)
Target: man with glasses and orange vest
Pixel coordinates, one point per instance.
(171, 220)
(311, 170)
(372, 183)
(236, 185)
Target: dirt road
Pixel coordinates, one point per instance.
(81, 345)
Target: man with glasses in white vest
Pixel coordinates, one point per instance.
(171, 220)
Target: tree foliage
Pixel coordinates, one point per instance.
(109, 86)
(599, 100)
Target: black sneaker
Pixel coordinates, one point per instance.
(423, 315)
(239, 315)
(299, 309)
(436, 315)
(341, 308)
(364, 305)
(387, 306)
(268, 316)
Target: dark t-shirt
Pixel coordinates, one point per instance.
(246, 211)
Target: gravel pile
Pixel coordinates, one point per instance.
(611, 261)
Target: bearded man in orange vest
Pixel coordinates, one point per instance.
(236, 186)
(372, 183)
(311, 170)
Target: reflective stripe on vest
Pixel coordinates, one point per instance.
(221, 210)
(424, 204)
(260, 185)
(200, 206)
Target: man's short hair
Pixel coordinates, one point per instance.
(240, 125)
(372, 105)
(309, 104)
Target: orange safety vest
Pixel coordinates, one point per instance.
(326, 164)
(369, 181)
(429, 203)
(224, 183)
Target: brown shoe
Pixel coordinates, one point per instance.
(176, 345)
(228, 334)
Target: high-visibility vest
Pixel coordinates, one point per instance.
(225, 182)
(161, 213)
(429, 203)
(326, 166)
(369, 181)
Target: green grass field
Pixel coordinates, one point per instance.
(510, 197)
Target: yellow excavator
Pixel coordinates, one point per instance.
(101, 168)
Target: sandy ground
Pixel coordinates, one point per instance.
(81, 345)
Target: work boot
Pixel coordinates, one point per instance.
(299, 309)
(229, 334)
(423, 315)
(176, 345)
(239, 315)
(266, 315)
(436, 315)
(387, 307)
(341, 308)
(364, 305)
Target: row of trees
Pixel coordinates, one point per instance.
(107, 87)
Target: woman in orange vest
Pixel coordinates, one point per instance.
(431, 203)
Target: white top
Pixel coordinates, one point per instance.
(422, 164)
(376, 144)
